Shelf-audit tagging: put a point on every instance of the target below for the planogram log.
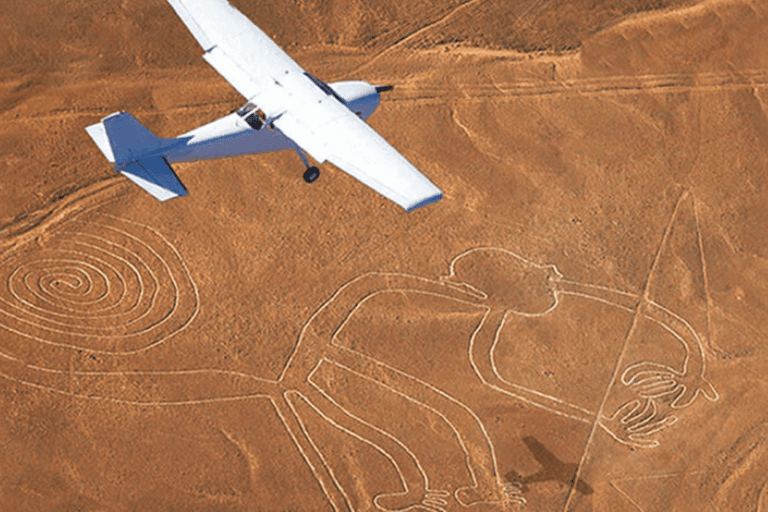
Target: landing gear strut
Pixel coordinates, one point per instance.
(311, 174)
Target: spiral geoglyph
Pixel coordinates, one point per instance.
(104, 285)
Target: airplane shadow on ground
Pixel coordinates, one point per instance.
(553, 469)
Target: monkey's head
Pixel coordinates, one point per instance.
(500, 278)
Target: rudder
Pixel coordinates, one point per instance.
(128, 138)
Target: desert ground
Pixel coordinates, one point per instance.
(580, 324)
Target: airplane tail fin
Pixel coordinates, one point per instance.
(137, 154)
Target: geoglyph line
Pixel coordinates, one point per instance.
(317, 344)
(408, 92)
(619, 360)
(650, 381)
(97, 283)
(467, 428)
(581, 86)
(59, 302)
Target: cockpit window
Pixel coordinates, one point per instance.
(254, 119)
(246, 109)
(325, 87)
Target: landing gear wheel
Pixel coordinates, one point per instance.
(311, 174)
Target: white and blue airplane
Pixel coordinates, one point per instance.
(286, 109)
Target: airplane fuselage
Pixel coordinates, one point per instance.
(232, 135)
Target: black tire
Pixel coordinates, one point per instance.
(311, 174)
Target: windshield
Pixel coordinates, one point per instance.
(245, 109)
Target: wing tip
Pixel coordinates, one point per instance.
(425, 202)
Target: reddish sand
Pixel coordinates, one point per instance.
(580, 322)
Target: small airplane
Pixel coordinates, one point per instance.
(286, 109)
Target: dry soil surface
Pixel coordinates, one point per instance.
(580, 324)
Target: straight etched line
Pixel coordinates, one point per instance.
(418, 32)
(705, 274)
(627, 497)
(617, 366)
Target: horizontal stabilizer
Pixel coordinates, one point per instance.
(99, 136)
(155, 176)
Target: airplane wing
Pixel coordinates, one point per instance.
(298, 105)
(234, 46)
(354, 147)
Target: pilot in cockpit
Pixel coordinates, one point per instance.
(255, 119)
